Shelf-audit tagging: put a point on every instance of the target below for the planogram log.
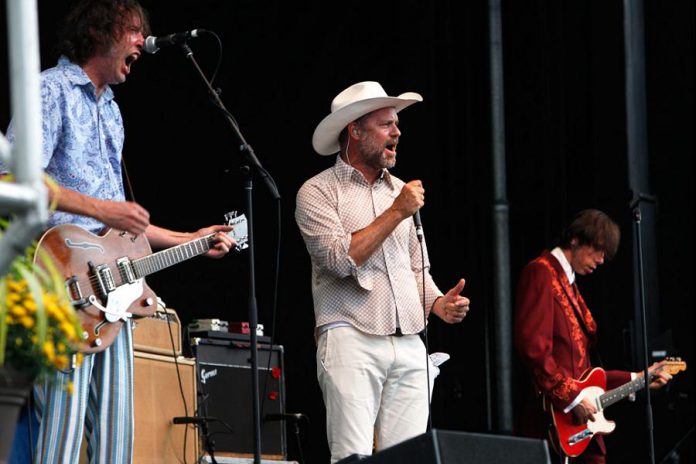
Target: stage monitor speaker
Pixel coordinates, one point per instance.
(451, 447)
(225, 392)
(157, 401)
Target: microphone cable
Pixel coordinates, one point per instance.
(425, 329)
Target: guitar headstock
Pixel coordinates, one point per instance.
(240, 231)
(673, 365)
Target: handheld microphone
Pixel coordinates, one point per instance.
(152, 43)
(419, 225)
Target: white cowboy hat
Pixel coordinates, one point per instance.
(349, 105)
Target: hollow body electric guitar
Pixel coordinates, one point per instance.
(105, 274)
(571, 439)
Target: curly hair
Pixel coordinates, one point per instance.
(92, 26)
(594, 228)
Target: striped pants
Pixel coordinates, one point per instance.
(100, 408)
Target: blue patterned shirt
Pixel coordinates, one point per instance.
(83, 138)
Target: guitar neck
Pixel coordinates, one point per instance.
(619, 393)
(163, 259)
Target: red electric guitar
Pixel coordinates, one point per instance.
(571, 439)
(105, 274)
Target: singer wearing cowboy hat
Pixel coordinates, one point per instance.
(372, 289)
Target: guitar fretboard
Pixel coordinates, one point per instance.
(617, 394)
(171, 256)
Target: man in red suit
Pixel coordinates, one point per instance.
(554, 329)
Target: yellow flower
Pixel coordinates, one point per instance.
(49, 350)
(70, 388)
(18, 310)
(27, 322)
(15, 286)
(68, 329)
(30, 304)
(12, 298)
(61, 362)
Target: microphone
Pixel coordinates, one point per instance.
(284, 417)
(152, 43)
(190, 420)
(419, 226)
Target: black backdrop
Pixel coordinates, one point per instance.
(282, 64)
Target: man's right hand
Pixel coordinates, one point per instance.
(124, 215)
(410, 199)
(584, 411)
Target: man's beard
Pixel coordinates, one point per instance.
(374, 156)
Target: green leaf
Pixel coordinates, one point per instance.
(3, 322)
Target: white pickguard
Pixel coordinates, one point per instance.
(119, 300)
(600, 424)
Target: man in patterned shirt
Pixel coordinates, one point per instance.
(372, 291)
(82, 141)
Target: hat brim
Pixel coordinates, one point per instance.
(325, 138)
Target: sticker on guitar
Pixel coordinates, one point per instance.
(240, 232)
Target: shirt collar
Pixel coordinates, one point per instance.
(79, 77)
(345, 172)
(567, 268)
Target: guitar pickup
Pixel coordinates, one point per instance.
(580, 436)
(125, 267)
(104, 278)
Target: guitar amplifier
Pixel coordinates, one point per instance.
(159, 333)
(225, 392)
(164, 389)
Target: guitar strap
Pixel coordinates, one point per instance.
(130, 195)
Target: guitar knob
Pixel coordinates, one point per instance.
(85, 335)
(149, 302)
(97, 342)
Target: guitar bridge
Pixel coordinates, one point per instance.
(72, 285)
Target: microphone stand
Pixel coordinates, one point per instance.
(253, 162)
(635, 206)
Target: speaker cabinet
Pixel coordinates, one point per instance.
(225, 393)
(158, 399)
(450, 447)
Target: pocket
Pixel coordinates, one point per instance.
(322, 350)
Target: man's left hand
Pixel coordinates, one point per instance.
(222, 243)
(452, 307)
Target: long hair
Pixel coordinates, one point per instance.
(93, 26)
(594, 228)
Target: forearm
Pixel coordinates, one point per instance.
(161, 238)
(74, 202)
(365, 241)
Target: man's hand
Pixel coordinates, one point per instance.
(452, 307)
(123, 215)
(222, 243)
(584, 411)
(659, 377)
(410, 199)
